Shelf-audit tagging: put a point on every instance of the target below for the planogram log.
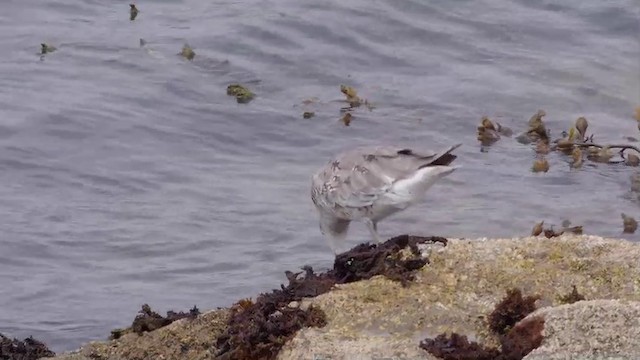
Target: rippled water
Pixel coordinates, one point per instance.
(129, 176)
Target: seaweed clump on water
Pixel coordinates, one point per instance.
(629, 224)
(516, 339)
(28, 349)
(258, 330)
(488, 133)
(241, 93)
(149, 320)
(45, 48)
(187, 52)
(133, 12)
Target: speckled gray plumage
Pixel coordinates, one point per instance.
(361, 184)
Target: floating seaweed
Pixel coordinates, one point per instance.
(242, 94)
(353, 99)
(45, 48)
(542, 147)
(601, 155)
(582, 125)
(540, 165)
(537, 130)
(577, 138)
(346, 119)
(576, 155)
(308, 114)
(572, 143)
(629, 224)
(632, 160)
(489, 133)
(133, 12)
(187, 52)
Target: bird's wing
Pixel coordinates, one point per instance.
(359, 177)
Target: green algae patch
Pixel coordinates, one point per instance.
(241, 93)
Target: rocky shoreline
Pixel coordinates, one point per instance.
(567, 297)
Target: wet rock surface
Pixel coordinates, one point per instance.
(590, 330)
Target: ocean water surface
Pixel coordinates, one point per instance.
(128, 176)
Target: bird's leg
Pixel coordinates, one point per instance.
(373, 229)
(333, 244)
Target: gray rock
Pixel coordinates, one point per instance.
(590, 330)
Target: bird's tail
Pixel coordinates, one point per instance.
(413, 188)
(444, 158)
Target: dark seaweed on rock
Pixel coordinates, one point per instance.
(515, 345)
(149, 320)
(523, 338)
(367, 260)
(259, 330)
(28, 349)
(517, 339)
(573, 296)
(510, 310)
(458, 347)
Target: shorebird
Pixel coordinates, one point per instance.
(371, 183)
